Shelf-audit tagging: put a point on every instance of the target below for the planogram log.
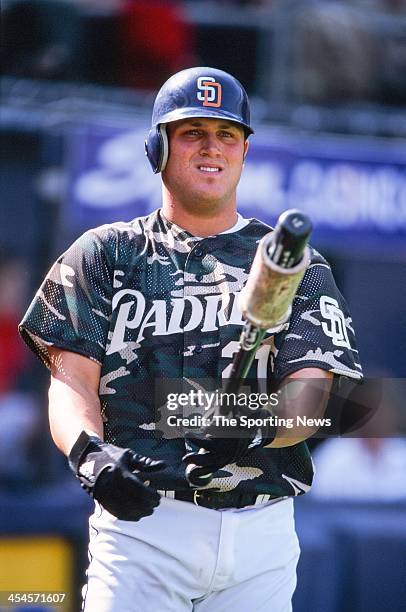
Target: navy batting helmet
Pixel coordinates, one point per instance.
(195, 92)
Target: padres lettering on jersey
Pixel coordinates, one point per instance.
(207, 315)
(148, 301)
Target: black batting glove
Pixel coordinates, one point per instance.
(106, 473)
(221, 445)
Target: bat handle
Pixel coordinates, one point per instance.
(251, 338)
(196, 480)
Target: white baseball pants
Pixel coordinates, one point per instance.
(188, 558)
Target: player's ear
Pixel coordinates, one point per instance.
(246, 145)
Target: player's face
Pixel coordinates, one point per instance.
(205, 161)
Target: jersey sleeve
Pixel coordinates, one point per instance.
(72, 308)
(320, 332)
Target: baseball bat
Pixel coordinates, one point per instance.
(280, 262)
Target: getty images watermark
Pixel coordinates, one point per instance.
(223, 409)
(372, 408)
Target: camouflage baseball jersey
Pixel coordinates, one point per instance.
(150, 302)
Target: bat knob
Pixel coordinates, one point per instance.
(296, 224)
(290, 237)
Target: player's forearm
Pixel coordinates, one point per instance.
(296, 419)
(74, 403)
(72, 410)
(301, 407)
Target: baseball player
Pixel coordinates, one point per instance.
(133, 305)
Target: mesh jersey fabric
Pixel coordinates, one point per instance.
(150, 303)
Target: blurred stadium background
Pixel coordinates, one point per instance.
(327, 80)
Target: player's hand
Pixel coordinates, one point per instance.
(214, 453)
(112, 476)
(220, 445)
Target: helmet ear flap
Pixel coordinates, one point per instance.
(157, 148)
